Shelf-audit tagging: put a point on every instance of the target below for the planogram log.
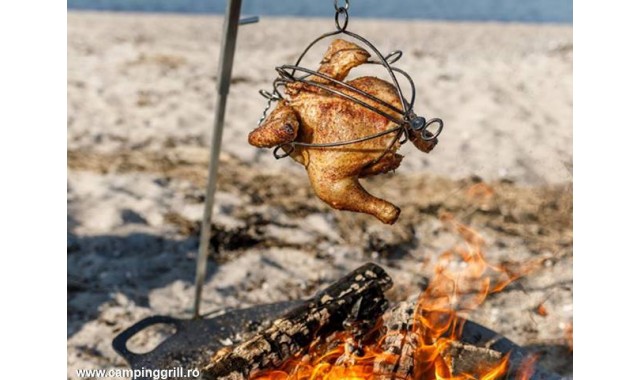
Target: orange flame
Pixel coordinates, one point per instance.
(461, 281)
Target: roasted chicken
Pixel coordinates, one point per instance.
(313, 115)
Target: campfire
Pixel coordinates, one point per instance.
(348, 331)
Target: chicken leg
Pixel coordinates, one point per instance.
(346, 193)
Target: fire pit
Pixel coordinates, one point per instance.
(336, 326)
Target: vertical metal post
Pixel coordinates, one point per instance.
(227, 50)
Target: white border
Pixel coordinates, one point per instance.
(33, 169)
(607, 188)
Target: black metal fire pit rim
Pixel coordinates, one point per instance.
(119, 343)
(476, 334)
(193, 336)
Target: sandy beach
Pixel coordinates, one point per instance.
(140, 110)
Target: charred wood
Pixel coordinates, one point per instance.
(398, 345)
(356, 298)
(463, 358)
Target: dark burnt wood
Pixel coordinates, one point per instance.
(399, 344)
(359, 296)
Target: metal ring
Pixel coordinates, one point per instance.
(337, 7)
(287, 149)
(393, 57)
(425, 131)
(340, 11)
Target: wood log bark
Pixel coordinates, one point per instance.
(359, 296)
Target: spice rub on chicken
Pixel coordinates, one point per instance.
(316, 116)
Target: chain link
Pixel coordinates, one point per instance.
(338, 7)
(342, 26)
(341, 10)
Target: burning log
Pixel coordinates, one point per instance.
(398, 345)
(464, 358)
(358, 297)
(401, 341)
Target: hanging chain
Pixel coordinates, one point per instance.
(337, 6)
(341, 10)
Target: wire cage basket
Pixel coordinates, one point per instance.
(427, 129)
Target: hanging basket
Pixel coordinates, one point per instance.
(428, 129)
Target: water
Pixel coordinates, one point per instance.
(550, 11)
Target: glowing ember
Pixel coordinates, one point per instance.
(461, 281)
(541, 310)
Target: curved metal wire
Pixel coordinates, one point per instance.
(409, 121)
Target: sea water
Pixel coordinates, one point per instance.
(551, 11)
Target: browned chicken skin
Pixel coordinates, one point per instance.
(313, 115)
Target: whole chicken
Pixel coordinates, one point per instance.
(313, 115)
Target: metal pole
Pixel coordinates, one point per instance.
(227, 49)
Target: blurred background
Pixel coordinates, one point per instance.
(141, 83)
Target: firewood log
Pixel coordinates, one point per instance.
(359, 296)
(468, 359)
(398, 345)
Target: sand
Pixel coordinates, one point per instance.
(140, 108)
